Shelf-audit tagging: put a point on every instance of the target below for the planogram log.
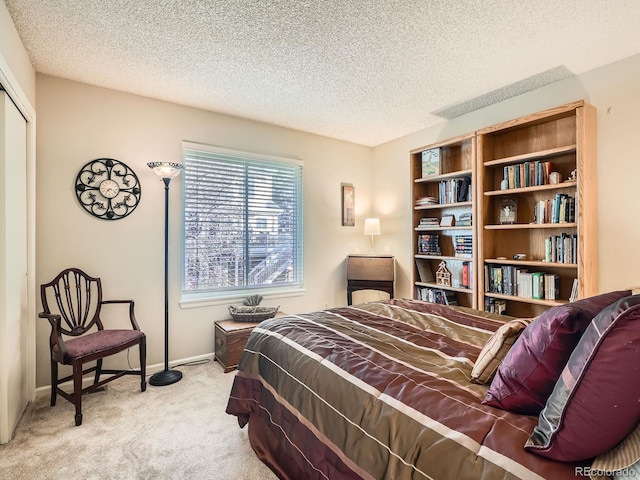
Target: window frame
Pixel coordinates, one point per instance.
(212, 297)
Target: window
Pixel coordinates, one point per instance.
(242, 221)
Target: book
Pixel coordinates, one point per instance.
(429, 222)
(574, 291)
(466, 271)
(537, 285)
(512, 176)
(429, 244)
(464, 219)
(424, 272)
(426, 201)
(527, 174)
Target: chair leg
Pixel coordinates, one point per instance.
(143, 364)
(77, 391)
(98, 370)
(54, 382)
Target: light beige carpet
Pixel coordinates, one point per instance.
(178, 431)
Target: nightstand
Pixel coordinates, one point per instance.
(374, 272)
(231, 338)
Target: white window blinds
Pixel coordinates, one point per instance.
(242, 221)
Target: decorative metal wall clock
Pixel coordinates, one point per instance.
(108, 189)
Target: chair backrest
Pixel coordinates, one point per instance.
(78, 298)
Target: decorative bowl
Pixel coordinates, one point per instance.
(252, 313)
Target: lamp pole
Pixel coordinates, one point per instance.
(166, 171)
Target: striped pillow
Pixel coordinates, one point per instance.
(496, 349)
(619, 458)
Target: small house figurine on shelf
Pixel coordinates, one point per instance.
(443, 275)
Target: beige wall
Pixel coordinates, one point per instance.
(78, 123)
(613, 90)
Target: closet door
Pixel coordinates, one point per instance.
(13, 266)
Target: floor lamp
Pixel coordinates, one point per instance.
(166, 171)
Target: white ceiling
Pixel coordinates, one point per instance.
(366, 71)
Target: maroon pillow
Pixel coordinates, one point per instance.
(596, 402)
(525, 378)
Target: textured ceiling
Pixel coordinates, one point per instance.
(367, 71)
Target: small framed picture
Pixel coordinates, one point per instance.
(431, 162)
(348, 205)
(447, 221)
(508, 211)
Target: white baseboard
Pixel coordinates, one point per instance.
(151, 369)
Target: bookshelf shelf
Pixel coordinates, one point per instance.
(537, 188)
(440, 229)
(525, 300)
(443, 287)
(437, 206)
(536, 155)
(531, 226)
(531, 263)
(446, 258)
(558, 140)
(444, 176)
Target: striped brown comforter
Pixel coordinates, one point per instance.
(379, 390)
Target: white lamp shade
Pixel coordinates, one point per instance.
(372, 226)
(165, 169)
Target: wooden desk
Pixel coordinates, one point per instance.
(374, 272)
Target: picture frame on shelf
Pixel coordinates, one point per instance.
(447, 221)
(425, 273)
(508, 211)
(430, 162)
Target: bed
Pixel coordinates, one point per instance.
(383, 390)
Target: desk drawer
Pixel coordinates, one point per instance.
(370, 268)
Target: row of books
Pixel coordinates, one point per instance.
(423, 201)
(463, 220)
(429, 222)
(560, 209)
(527, 174)
(429, 244)
(463, 245)
(561, 248)
(495, 305)
(436, 295)
(513, 280)
(455, 190)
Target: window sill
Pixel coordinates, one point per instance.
(208, 300)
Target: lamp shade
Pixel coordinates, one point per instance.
(372, 226)
(165, 169)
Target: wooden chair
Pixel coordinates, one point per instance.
(78, 298)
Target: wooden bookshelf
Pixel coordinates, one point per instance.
(457, 162)
(566, 137)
